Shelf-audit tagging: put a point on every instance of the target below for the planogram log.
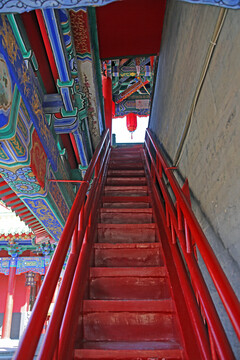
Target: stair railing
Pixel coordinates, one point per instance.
(77, 234)
(185, 231)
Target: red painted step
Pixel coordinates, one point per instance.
(126, 233)
(129, 321)
(130, 165)
(125, 190)
(123, 353)
(126, 202)
(125, 255)
(126, 181)
(126, 173)
(129, 283)
(126, 216)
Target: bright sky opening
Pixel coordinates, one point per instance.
(119, 127)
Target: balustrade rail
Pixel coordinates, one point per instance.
(185, 233)
(77, 238)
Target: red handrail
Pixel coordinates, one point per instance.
(195, 316)
(30, 339)
(174, 218)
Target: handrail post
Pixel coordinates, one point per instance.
(179, 216)
(75, 239)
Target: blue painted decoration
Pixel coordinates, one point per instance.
(230, 4)
(20, 6)
(45, 216)
(34, 264)
(20, 75)
(5, 265)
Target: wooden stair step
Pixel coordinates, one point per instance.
(125, 190)
(126, 216)
(129, 320)
(127, 205)
(123, 255)
(133, 165)
(127, 233)
(127, 354)
(129, 283)
(126, 181)
(126, 202)
(126, 173)
(165, 306)
(156, 271)
(132, 345)
(127, 246)
(155, 354)
(126, 156)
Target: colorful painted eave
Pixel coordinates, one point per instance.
(29, 5)
(8, 6)
(31, 224)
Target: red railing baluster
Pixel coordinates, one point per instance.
(213, 350)
(187, 237)
(173, 233)
(180, 218)
(167, 215)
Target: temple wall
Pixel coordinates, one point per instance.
(210, 157)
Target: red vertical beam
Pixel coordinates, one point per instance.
(107, 94)
(7, 319)
(28, 291)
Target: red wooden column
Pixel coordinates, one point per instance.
(7, 319)
(107, 94)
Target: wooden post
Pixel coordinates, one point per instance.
(7, 319)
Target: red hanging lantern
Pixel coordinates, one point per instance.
(131, 123)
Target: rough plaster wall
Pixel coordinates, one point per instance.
(211, 156)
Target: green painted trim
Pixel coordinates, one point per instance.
(14, 25)
(82, 115)
(65, 113)
(10, 129)
(76, 174)
(34, 62)
(26, 51)
(49, 118)
(13, 264)
(24, 44)
(65, 84)
(24, 163)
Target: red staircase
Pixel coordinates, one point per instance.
(130, 312)
(132, 289)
